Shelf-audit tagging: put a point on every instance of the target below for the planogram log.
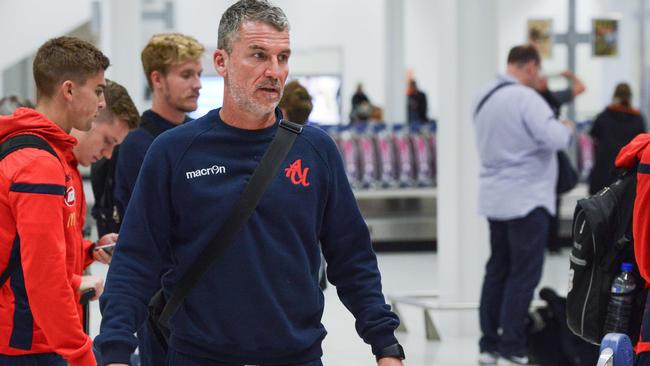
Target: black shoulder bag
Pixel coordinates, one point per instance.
(161, 310)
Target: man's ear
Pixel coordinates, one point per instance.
(220, 60)
(156, 79)
(66, 89)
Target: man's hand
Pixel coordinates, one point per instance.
(390, 361)
(101, 255)
(578, 86)
(92, 282)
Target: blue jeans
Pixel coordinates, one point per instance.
(179, 359)
(511, 275)
(39, 359)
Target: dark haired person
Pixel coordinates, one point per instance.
(42, 209)
(613, 128)
(296, 102)
(517, 138)
(109, 128)
(260, 304)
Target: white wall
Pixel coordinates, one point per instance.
(355, 28)
(24, 28)
(599, 74)
(422, 58)
(354, 34)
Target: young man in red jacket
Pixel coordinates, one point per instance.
(41, 213)
(638, 152)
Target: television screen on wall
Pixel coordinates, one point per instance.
(325, 91)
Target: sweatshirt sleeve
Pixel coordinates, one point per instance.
(35, 198)
(543, 127)
(133, 276)
(352, 264)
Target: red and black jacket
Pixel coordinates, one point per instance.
(42, 208)
(637, 151)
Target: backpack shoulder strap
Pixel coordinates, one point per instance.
(24, 141)
(7, 147)
(488, 95)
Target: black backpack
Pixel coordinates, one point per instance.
(102, 178)
(602, 240)
(550, 342)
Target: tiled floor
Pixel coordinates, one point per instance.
(402, 273)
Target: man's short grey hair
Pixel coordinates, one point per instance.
(248, 11)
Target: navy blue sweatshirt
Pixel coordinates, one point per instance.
(130, 157)
(260, 303)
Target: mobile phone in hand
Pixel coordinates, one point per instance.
(86, 296)
(108, 248)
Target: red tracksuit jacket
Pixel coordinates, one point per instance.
(637, 151)
(42, 210)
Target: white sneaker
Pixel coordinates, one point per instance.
(488, 358)
(514, 361)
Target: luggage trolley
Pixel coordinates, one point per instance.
(616, 350)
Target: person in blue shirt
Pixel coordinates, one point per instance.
(260, 303)
(172, 65)
(517, 137)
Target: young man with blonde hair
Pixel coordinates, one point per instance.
(42, 251)
(172, 65)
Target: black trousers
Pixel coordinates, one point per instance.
(511, 275)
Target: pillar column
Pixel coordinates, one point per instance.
(467, 42)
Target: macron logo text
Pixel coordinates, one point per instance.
(215, 169)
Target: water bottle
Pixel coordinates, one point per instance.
(620, 301)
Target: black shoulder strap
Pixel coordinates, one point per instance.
(7, 147)
(259, 181)
(24, 141)
(488, 95)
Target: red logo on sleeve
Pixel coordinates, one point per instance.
(70, 196)
(297, 174)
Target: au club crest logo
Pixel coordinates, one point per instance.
(297, 174)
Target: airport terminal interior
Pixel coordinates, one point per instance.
(394, 83)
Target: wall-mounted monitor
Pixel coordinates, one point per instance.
(325, 91)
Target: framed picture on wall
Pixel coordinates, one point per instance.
(604, 37)
(540, 34)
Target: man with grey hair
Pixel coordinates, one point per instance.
(260, 303)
